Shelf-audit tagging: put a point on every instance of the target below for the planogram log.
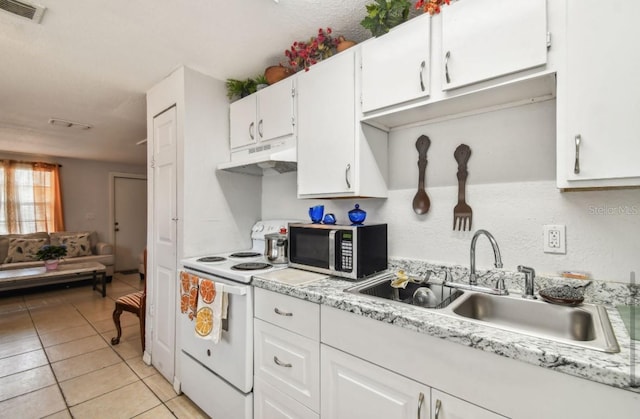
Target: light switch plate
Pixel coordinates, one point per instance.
(555, 239)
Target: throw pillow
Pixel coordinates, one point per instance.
(77, 245)
(23, 250)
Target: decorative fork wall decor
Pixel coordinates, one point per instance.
(462, 213)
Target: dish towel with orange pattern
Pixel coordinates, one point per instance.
(206, 302)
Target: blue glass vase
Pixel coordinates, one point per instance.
(357, 215)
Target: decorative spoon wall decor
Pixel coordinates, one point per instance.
(462, 214)
(421, 201)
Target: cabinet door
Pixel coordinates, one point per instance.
(483, 39)
(270, 403)
(242, 115)
(395, 67)
(290, 362)
(603, 95)
(353, 388)
(275, 111)
(326, 126)
(445, 406)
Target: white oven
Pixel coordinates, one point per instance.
(218, 377)
(228, 361)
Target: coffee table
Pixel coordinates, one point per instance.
(11, 279)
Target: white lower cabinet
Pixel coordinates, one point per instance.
(445, 406)
(353, 388)
(270, 403)
(286, 357)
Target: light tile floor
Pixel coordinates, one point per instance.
(56, 359)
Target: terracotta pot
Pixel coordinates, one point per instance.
(344, 44)
(276, 73)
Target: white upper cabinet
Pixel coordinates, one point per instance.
(336, 158)
(599, 96)
(263, 116)
(484, 39)
(396, 66)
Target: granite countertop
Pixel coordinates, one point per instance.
(610, 369)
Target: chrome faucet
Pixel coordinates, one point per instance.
(473, 277)
(529, 276)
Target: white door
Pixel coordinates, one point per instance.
(165, 243)
(242, 117)
(130, 220)
(396, 66)
(602, 91)
(353, 388)
(326, 126)
(275, 111)
(483, 39)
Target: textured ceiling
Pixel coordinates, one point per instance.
(93, 61)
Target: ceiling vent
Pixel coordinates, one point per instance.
(29, 11)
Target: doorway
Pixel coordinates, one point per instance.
(128, 211)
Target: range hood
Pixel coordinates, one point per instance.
(267, 161)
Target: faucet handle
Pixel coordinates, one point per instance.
(529, 276)
(527, 271)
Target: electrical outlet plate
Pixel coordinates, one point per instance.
(555, 239)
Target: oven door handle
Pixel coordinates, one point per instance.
(229, 289)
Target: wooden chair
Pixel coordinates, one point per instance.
(133, 303)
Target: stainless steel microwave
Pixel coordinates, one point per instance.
(347, 251)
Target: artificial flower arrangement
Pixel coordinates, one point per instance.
(51, 252)
(431, 6)
(303, 54)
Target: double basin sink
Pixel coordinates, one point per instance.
(585, 326)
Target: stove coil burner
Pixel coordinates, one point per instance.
(250, 266)
(245, 255)
(211, 259)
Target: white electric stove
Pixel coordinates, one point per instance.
(219, 377)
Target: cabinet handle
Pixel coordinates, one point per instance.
(282, 313)
(420, 403)
(576, 168)
(280, 363)
(251, 125)
(438, 406)
(446, 66)
(347, 172)
(422, 66)
(260, 128)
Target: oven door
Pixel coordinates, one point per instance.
(232, 357)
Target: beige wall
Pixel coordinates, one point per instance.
(85, 190)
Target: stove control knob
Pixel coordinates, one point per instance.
(258, 228)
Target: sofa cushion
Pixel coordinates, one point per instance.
(4, 241)
(24, 250)
(56, 235)
(77, 245)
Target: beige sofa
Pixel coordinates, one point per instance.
(99, 252)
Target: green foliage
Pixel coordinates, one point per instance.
(261, 79)
(49, 252)
(383, 15)
(240, 88)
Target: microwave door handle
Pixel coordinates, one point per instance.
(332, 250)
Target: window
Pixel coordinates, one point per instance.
(30, 199)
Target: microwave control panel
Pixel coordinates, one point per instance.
(346, 252)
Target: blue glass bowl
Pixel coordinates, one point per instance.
(357, 215)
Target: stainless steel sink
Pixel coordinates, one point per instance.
(432, 296)
(585, 326)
